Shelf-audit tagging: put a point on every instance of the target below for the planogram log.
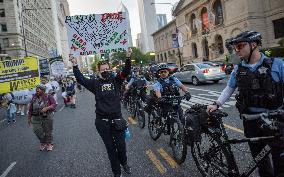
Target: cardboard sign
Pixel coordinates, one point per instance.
(18, 74)
(97, 33)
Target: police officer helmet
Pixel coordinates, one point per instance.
(163, 66)
(247, 36)
(41, 87)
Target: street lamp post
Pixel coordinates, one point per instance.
(24, 36)
(179, 54)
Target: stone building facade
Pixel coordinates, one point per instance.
(164, 52)
(206, 24)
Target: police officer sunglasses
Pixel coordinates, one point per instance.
(240, 46)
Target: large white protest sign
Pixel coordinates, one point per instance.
(97, 33)
(23, 96)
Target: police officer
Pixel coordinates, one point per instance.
(167, 85)
(40, 115)
(109, 121)
(259, 80)
(137, 81)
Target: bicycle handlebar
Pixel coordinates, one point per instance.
(262, 115)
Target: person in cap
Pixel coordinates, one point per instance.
(40, 115)
(259, 80)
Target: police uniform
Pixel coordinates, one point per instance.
(137, 83)
(260, 89)
(108, 108)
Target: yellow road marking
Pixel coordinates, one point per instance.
(234, 128)
(168, 158)
(156, 162)
(132, 121)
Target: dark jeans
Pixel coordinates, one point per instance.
(115, 144)
(252, 129)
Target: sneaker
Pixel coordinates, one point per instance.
(14, 121)
(49, 147)
(42, 146)
(22, 113)
(126, 169)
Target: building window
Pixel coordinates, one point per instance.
(194, 50)
(6, 42)
(278, 28)
(205, 19)
(193, 24)
(165, 55)
(3, 27)
(2, 12)
(218, 12)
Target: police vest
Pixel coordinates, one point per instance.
(257, 89)
(138, 82)
(169, 88)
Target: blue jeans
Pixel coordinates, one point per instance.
(10, 117)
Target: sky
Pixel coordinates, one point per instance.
(84, 7)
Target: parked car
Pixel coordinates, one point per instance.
(200, 72)
(173, 67)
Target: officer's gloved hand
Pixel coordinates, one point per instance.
(187, 95)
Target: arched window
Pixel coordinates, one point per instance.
(204, 18)
(218, 12)
(192, 24)
(194, 50)
(219, 44)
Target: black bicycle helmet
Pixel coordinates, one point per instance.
(163, 66)
(247, 36)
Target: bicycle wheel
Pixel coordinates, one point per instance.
(177, 142)
(140, 115)
(212, 159)
(154, 126)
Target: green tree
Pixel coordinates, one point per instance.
(95, 64)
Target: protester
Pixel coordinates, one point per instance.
(41, 113)
(9, 105)
(109, 122)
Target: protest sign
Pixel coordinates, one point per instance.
(97, 33)
(18, 74)
(44, 66)
(57, 66)
(22, 97)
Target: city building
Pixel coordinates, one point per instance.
(161, 20)
(206, 24)
(148, 24)
(36, 24)
(62, 10)
(42, 25)
(124, 9)
(139, 44)
(164, 51)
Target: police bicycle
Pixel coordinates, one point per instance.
(165, 117)
(138, 109)
(212, 153)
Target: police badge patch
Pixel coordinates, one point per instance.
(262, 70)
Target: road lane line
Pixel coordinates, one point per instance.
(168, 158)
(156, 162)
(61, 108)
(132, 121)
(234, 128)
(8, 169)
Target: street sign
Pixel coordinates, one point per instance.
(175, 40)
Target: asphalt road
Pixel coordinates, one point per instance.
(79, 150)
